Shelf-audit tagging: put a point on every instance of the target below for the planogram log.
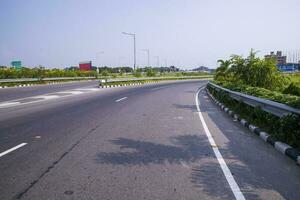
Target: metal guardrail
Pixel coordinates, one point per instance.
(44, 79)
(269, 106)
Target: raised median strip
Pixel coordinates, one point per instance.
(150, 80)
(282, 147)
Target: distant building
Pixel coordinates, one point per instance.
(85, 66)
(16, 64)
(281, 62)
(280, 59)
(289, 67)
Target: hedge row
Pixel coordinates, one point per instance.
(12, 84)
(288, 99)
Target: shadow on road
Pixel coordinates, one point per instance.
(187, 148)
(205, 172)
(205, 175)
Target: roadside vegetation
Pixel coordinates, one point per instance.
(261, 78)
(42, 73)
(258, 77)
(104, 72)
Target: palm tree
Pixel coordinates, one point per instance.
(222, 70)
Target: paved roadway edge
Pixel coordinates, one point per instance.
(228, 175)
(282, 147)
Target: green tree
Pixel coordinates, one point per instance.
(222, 73)
(252, 71)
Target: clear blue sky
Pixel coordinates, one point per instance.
(59, 33)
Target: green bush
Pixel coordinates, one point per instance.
(292, 89)
(150, 72)
(137, 74)
(251, 71)
(279, 97)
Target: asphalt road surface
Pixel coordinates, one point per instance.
(23, 92)
(137, 142)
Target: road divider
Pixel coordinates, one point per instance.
(141, 81)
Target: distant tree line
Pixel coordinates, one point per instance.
(41, 72)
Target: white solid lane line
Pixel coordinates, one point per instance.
(228, 175)
(12, 149)
(121, 99)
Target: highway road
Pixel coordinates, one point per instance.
(157, 141)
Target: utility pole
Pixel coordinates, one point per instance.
(100, 53)
(166, 65)
(134, 48)
(148, 54)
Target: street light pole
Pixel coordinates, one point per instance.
(157, 57)
(100, 53)
(148, 54)
(134, 48)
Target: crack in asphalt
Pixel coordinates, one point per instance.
(33, 183)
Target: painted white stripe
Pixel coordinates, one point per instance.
(12, 149)
(232, 183)
(47, 97)
(158, 88)
(121, 99)
(8, 104)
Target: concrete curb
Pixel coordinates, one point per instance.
(278, 145)
(128, 84)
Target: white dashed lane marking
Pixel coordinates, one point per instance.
(121, 99)
(12, 149)
(158, 88)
